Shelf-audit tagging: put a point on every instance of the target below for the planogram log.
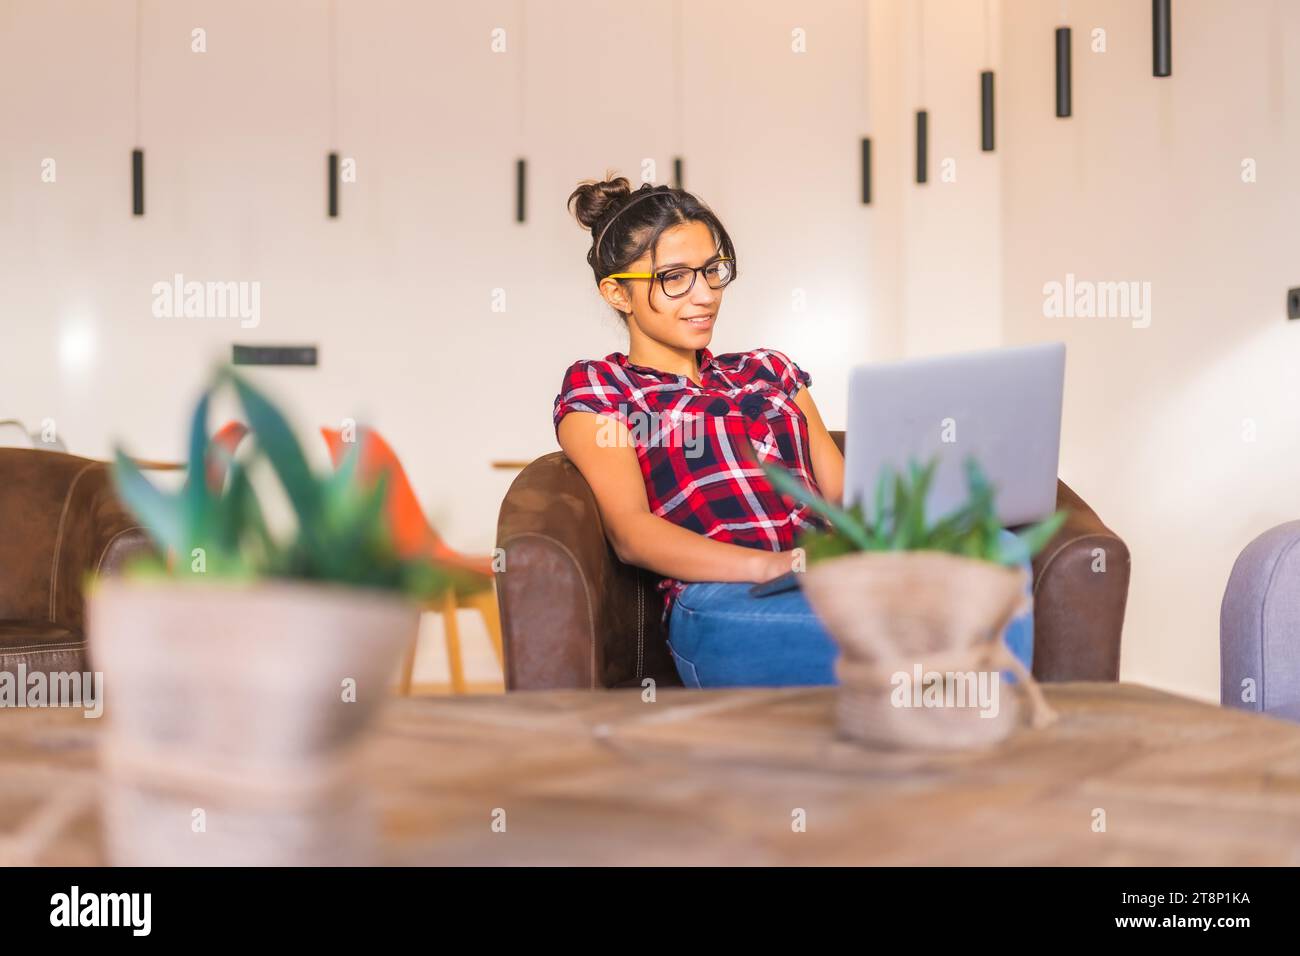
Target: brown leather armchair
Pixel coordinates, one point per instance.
(573, 615)
(59, 522)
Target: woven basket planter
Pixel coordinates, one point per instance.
(892, 613)
(231, 738)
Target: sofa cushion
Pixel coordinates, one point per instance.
(41, 646)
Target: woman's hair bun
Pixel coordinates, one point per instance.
(593, 201)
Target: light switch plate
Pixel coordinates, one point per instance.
(274, 355)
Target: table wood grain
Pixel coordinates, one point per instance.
(717, 777)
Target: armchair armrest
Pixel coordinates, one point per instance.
(96, 536)
(1259, 626)
(1080, 589)
(572, 614)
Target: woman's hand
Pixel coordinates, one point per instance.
(767, 565)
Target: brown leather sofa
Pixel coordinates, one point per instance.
(573, 615)
(60, 521)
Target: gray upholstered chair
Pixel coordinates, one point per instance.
(1259, 626)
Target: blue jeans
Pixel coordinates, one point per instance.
(721, 636)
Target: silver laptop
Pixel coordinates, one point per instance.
(1002, 406)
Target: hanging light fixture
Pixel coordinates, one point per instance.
(1063, 66)
(137, 154)
(137, 182)
(866, 170)
(922, 115)
(986, 84)
(1162, 54)
(986, 111)
(521, 187)
(922, 145)
(332, 173)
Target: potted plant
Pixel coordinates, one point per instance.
(918, 609)
(241, 667)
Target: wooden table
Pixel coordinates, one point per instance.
(716, 777)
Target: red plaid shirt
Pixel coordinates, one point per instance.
(686, 438)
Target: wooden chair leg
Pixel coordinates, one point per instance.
(455, 666)
(408, 668)
(485, 602)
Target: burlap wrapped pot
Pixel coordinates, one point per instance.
(236, 715)
(891, 612)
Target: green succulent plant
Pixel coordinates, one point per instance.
(898, 523)
(341, 536)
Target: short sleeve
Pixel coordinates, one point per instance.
(790, 376)
(590, 386)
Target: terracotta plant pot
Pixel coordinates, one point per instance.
(234, 715)
(900, 617)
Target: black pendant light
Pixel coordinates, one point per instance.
(137, 182)
(521, 183)
(1063, 72)
(922, 145)
(1063, 104)
(332, 175)
(866, 170)
(1162, 53)
(986, 111)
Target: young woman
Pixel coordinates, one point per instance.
(660, 433)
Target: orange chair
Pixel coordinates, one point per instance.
(413, 536)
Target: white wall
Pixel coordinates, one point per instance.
(950, 239)
(1144, 183)
(397, 291)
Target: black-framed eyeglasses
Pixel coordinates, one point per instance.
(678, 281)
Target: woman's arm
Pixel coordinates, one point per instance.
(645, 539)
(827, 461)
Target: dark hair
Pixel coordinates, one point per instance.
(651, 210)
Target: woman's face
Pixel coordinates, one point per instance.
(685, 322)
